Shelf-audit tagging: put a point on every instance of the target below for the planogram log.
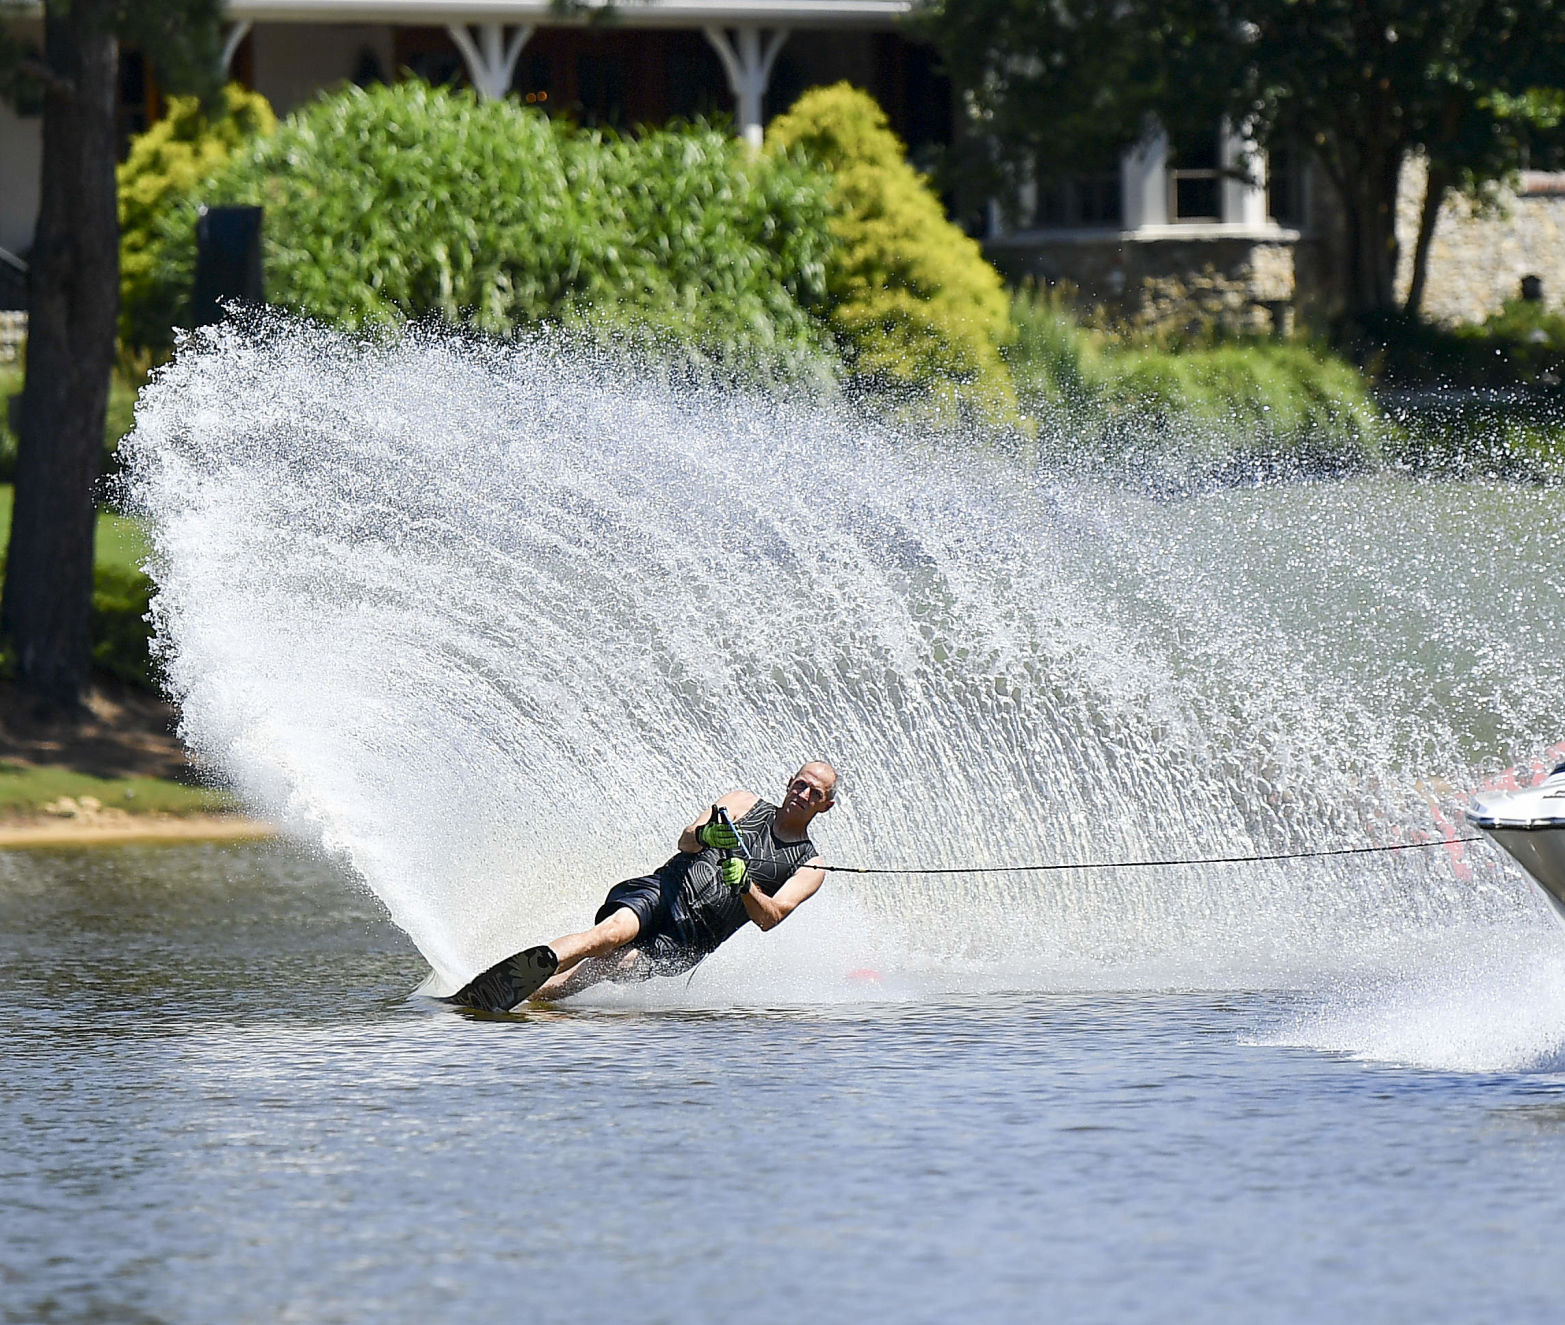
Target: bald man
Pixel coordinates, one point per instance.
(759, 866)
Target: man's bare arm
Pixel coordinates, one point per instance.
(769, 912)
(737, 803)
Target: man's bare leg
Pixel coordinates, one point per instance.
(624, 964)
(605, 937)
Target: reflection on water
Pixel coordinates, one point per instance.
(218, 1103)
(143, 933)
(1546, 1117)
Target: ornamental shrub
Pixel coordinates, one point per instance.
(912, 302)
(406, 202)
(166, 163)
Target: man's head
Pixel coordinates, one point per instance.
(812, 791)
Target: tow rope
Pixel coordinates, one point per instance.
(1146, 864)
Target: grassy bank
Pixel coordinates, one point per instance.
(1520, 348)
(1481, 399)
(1469, 434)
(27, 790)
(113, 774)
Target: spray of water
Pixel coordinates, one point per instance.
(490, 624)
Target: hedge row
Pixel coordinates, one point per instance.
(407, 202)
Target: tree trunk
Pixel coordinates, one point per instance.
(73, 296)
(1370, 251)
(1436, 187)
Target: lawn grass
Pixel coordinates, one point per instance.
(121, 543)
(27, 789)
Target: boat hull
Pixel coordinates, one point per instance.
(1541, 852)
(1530, 824)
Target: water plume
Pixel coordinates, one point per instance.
(490, 623)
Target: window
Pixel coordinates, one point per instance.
(1072, 201)
(537, 79)
(695, 82)
(1194, 180)
(429, 54)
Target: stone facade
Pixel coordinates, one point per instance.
(1242, 283)
(1481, 252)
(1258, 279)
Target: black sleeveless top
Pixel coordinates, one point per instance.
(712, 911)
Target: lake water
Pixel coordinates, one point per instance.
(219, 1103)
(489, 623)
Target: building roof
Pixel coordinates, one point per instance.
(630, 13)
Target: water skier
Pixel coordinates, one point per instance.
(744, 860)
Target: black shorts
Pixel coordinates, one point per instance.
(653, 901)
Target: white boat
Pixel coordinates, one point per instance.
(1530, 824)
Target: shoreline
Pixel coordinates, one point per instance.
(116, 828)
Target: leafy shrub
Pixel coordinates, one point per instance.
(1532, 321)
(1195, 413)
(120, 647)
(166, 163)
(405, 202)
(912, 302)
(716, 246)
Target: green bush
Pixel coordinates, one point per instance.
(166, 163)
(912, 302)
(1194, 412)
(119, 627)
(1521, 347)
(406, 202)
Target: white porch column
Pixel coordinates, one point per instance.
(748, 60)
(236, 34)
(1143, 179)
(491, 59)
(1244, 192)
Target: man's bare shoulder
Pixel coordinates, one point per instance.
(738, 802)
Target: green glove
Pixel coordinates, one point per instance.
(733, 872)
(717, 834)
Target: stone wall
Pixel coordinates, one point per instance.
(1164, 280)
(1242, 284)
(1480, 253)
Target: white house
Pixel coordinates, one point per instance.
(1199, 229)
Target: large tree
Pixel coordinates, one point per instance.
(73, 300)
(1357, 84)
